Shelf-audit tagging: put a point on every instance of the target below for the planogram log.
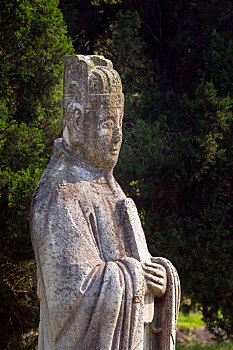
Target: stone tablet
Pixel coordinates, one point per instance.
(98, 285)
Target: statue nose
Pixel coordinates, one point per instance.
(116, 136)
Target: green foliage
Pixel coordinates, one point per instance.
(20, 307)
(32, 46)
(30, 51)
(191, 326)
(184, 174)
(212, 346)
(218, 63)
(125, 48)
(111, 2)
(88, 20)
(191, 320)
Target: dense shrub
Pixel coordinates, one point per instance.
(33, 42)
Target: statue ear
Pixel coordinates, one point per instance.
(78, 120)
(75, 114)
(78, 126)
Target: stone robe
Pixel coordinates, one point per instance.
(91, 292)
(91, 287)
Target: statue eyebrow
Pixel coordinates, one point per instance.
(109, 117)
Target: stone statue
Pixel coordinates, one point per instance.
(99, 287)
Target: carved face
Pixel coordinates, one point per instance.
(103, 137)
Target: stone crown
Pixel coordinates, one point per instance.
(91, 82)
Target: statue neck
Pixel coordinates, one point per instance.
(62, 150)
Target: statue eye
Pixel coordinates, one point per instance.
(108, 124)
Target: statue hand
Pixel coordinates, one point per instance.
(156, 278)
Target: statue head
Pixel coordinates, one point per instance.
(93, 105)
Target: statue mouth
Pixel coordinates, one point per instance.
(113, 151)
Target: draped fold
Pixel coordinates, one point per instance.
(91, 293)
(91, 283)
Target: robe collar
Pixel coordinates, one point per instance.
(60, 152)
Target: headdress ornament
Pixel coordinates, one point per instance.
(91, 82)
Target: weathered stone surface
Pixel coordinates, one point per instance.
(99, 287)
